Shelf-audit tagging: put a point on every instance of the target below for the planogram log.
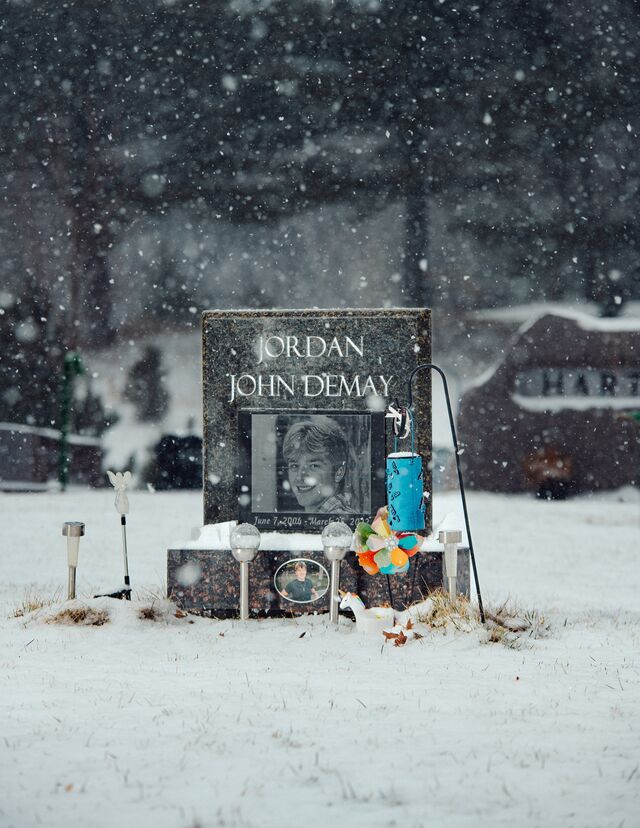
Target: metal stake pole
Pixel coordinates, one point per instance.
(456, 446)
(244, 590)
(127, 582)
(71, 593)
(334, 609)
(390, 591)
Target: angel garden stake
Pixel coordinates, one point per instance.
(120, 482)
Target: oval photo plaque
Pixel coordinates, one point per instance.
(301, 580)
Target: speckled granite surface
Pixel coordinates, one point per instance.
(216, 592)
(292, 360)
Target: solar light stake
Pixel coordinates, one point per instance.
(336, 540)
(450, 540)
(73, 530)
(245, 542)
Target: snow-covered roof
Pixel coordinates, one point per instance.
(51, 433)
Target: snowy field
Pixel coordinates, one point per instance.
(186, 722)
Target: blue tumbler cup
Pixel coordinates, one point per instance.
(405, 492)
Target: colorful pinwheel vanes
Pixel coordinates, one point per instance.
(379, 549)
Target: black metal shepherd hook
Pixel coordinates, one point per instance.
(430, 366)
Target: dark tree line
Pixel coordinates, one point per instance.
(517, 119)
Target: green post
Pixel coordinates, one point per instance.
(71, 367)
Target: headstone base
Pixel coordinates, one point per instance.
(207, 582)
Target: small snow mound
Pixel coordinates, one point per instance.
(96, 612)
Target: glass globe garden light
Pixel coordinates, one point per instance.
(336, 540)
(72, 530)
(245, 542)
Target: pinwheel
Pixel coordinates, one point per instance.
(379, 549)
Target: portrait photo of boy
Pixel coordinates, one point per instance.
(302, 581)
(300, 588)
(317, 456)
(298, 468)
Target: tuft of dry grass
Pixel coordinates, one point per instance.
(155, 595)
(440, 611)
(160, 610)
(32, 602)
(149, 613)
(507, 624)
(81, 615)
(511, 626)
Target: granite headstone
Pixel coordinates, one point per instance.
(268, 373)
(279, 387)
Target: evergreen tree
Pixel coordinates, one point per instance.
(31, 369)
(145, 386)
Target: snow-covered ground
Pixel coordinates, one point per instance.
(189, 722)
